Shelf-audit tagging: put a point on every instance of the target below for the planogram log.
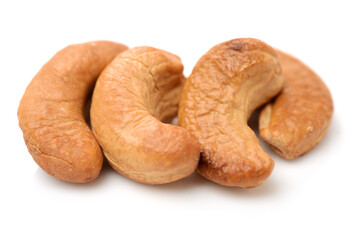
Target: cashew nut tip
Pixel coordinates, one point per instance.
(300, 116)
(52, 111)
(227, 84)
(133, 97)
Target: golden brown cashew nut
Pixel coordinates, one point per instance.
(51, 112)
(300, 116)
(230, 81)
(137, 89)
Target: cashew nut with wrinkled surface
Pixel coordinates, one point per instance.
(300, 116)
(140, 88)
(138, 92)
(227, 84)
(51, 112)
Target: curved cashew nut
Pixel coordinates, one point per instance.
(230, 81)
(51, 112)
(300, 116)
(137, 89)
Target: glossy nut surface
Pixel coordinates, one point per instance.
(300, 116)
(51, 112)
(227, 84)
(138, 91)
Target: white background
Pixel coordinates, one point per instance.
(313, 197)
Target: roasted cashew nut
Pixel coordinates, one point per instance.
(230, 81)
(136, 91)
(51, 112)
(300, 116)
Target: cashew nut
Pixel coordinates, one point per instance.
(51, 112)
(300, 116)
(136, 91)
(230, 81)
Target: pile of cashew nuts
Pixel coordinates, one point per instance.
(132, 95)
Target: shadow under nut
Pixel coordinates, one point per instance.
(51, 111)
(300, 116)
(227, 84)
(140, 88)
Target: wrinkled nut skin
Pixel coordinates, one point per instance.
(140, 88)
(51, 111)
(227, 84)
(300, 116)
